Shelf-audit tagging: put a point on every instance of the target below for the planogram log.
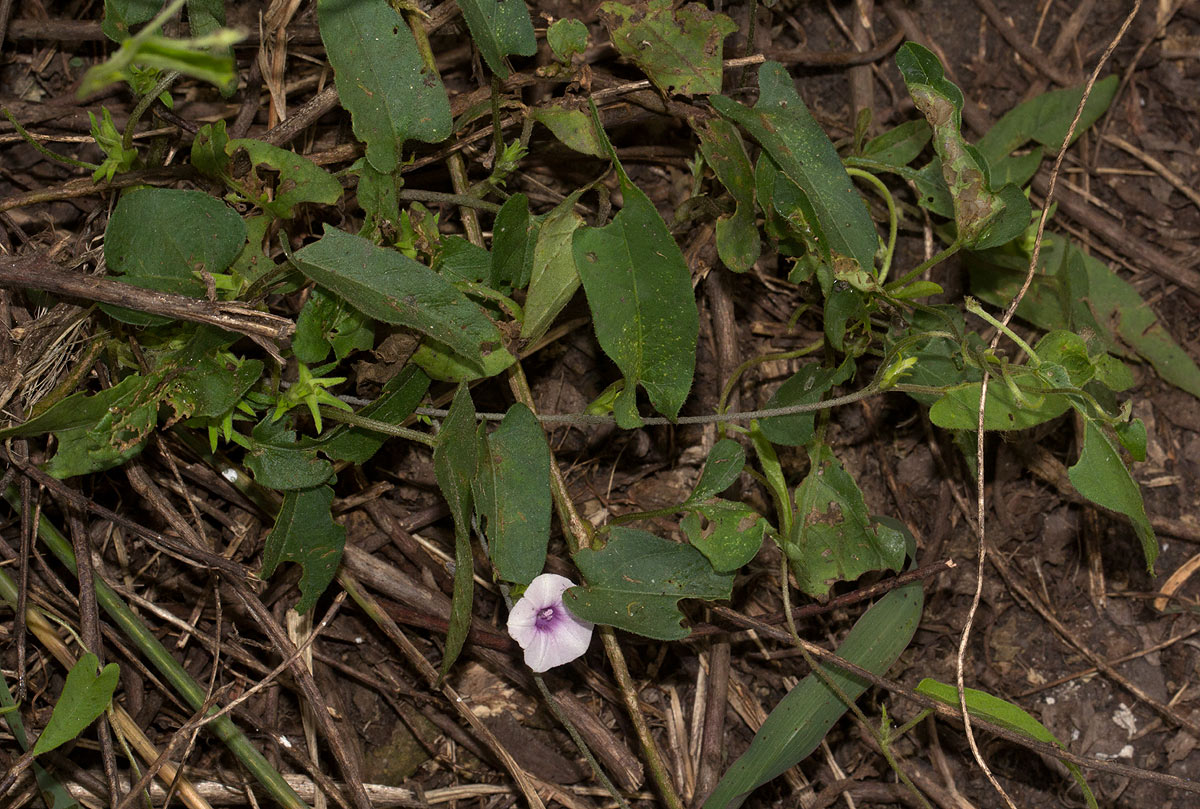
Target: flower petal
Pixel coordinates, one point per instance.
(522, 622)
(546, 590)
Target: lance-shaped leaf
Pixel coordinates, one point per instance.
(380, 79)
(643, 308)
(500, 28)
(984, 217)
(679, 50)
(553, 278)
(84, 697)
(391, 287)
(306, 534)
(802, 718)
(796, 143)
(983, 705)
(636, 581)
(512, 495)
(832, 539)
(1101, 476)
(455, 463)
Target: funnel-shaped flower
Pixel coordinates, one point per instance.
(545, 628)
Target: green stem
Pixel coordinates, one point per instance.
(464, 200)
(143, 104)
(355, 420)
(892, 218)
(974, 308)
(42, 150)
(149, 645)
(923, 266)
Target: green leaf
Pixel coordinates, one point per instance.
(54, 795)
(832, 539)
(279, 462)
(306, 534)
(376, 195)
(802, 718)
(208, 58)
(391, 287)
(983, 705)
(121, 15)
(455, 463)
(636, 581)
(1101, 476)
(729, 534)
(300, 179)
(738, 242)
(514, 239)
(164, 238)
(806, 386)
(208, 154)
(984, 216)
(500, 28)
(380, 79)
(644, 311)
(84, 697)
(721, 470)
(512, 495)
(567, 38)
(1044, 119)
(327, 322)
(574, 128)
(796, 142)
(678, 49)
(397, 401)
(900, 145)
(553, 278)
(958, 409)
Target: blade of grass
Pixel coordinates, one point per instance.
(169, 668)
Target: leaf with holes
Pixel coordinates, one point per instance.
(678, 49)
(306, 534)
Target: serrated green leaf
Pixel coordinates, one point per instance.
(644, 311)
(162, 238)
(984, 216)
(455, 464)
(85, 695)
(306, 534)
(800, 721)
(391, 287)
(1100, 476)
(833, 539)
(636, 581)
(738, 242)
(983, 705)
(396, 402)
(500, 28)
(806, 386)
(380, 79)
(300, 179)
(512, 495)
(781, 122)
(553, 278)
(678, 49)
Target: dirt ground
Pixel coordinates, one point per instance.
(1065, 587)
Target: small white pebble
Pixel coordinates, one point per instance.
(284, 741)
(230, 474)
(1050, 700)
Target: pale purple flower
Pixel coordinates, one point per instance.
(544, 627)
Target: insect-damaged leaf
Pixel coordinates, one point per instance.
(984, 217)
